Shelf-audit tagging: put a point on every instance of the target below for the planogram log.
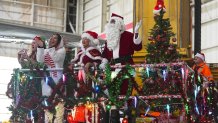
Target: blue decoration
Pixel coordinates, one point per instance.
(97, 88)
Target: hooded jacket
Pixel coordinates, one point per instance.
(53, 58)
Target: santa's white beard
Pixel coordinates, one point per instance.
(113, 33)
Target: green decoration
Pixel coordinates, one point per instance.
(115, 84)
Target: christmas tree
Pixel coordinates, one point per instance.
(162, 81)
(160, 49)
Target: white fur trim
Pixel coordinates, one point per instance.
(86, 52)
(92, 41)
(76, 57)
(116, 51)
(158, 11)
(200, 56)
(86, 35)
(90, 56)
(81, 58)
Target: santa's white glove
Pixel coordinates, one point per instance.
(103, 64)
(137, 26)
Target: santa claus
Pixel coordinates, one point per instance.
(120, 44)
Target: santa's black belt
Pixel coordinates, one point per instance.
(121, 59)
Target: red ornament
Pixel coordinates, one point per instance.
(158, 37)
(174, 39)
(125, 120)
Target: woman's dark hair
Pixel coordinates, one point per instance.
(59, 38)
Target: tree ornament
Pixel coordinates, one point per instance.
(158, 37)
(174, 39)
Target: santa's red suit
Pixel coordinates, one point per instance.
(123, 53)
(124, 50)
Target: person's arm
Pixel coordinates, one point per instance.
(40, 51)
(40, 54)
(207, 73)
(136, 39)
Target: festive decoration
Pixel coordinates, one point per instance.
(161, 34)
(125, 120)
(97, 89)
(115, 84)
(108, 106)
(166, 95)
(174, 39)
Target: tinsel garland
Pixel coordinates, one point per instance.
(115, 85)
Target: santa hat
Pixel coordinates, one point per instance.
(92, 36)
(200, 55)
(118, 16)
(37, 37)
(159, 6)
(118, 19)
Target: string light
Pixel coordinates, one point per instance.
(168, 109)
(183, 73)
(164, 74)
(135, 101)
(147, 71)
(31, 115)
(147, 110)
(197, 110)
(64, 78)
